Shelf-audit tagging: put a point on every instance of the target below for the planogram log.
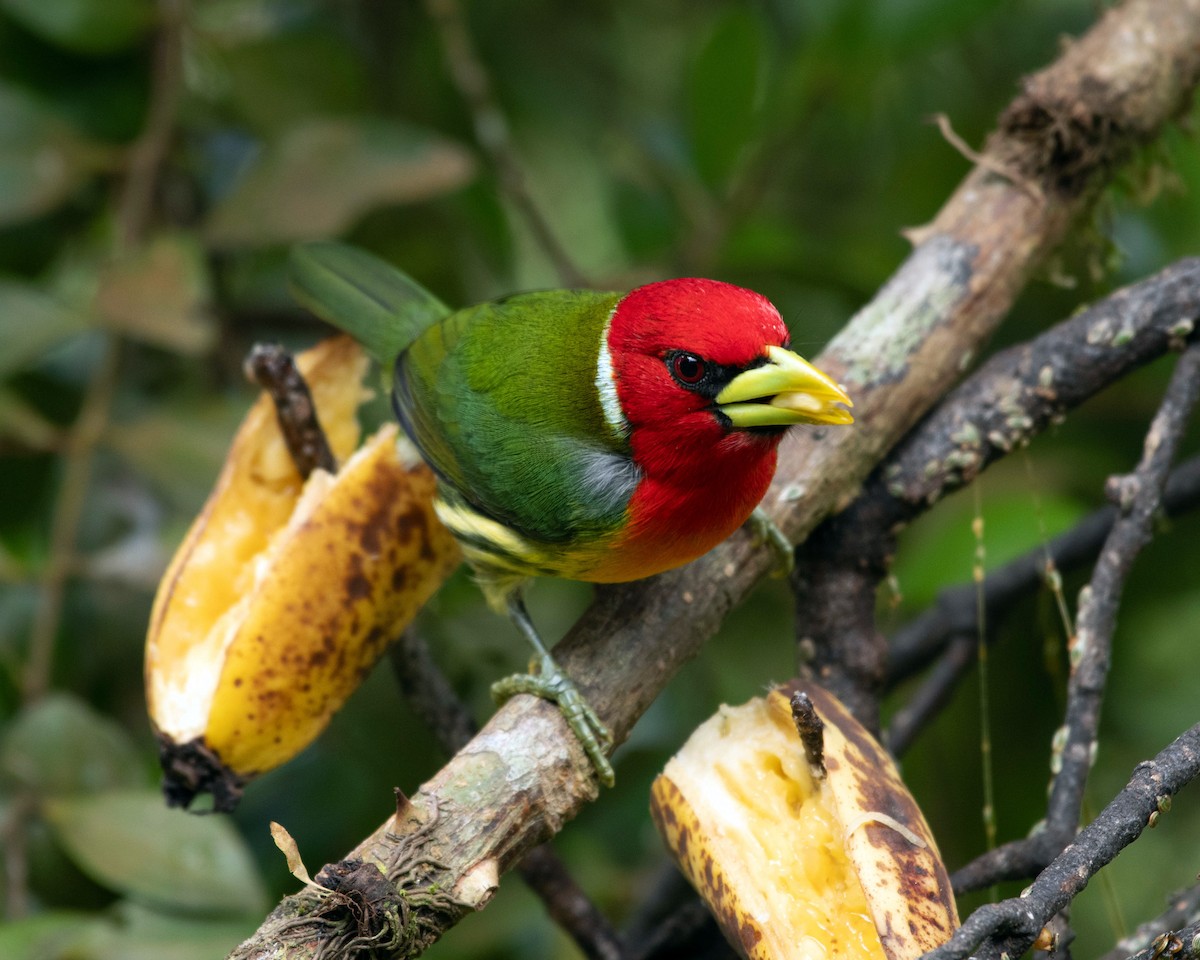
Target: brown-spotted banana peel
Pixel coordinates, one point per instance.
(796, 866)
(286, 591)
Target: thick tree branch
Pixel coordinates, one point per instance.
(522, 777)
(1010, 399)
(447, 717)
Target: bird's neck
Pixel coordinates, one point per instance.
(688, 502)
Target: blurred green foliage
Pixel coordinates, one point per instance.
(779, 145)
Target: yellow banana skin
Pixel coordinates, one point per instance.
(795, 867)
(285, 592)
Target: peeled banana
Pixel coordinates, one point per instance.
(286, 591)
(798, 862)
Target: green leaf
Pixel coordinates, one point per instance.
(61, 746)
(238, 22)
(268, 81)
(723, 88)
(45, 935)
(159, 294)
(31, 322)
(22, 422)
(321, 176)
(380, 306)
(42, 159)
(179, 444)
(85, 26)
(142, 934)
(130, 842)
(647, 219)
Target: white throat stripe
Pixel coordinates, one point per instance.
(606, 385)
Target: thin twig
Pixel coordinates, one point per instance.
(569, 906)
(987, 161)
(1139, 497)
(491, 130)
(149, 152)
(132, 213)
(1009, 927)
(131, 216)
(689, 933)
(429, 693)
(662, 895)
(1181, 919)
(81, 444)
(938, 634)
(937, 690)
(13, 832)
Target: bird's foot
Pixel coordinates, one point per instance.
(764, 530)
(550, 683)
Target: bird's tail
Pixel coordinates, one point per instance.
(382, 307)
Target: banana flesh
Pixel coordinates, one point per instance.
(798, 863)
(286, 591)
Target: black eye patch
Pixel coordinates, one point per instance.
(701, 376)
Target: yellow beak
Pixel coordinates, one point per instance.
(786, 389)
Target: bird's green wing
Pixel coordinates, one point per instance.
(502, 400)
(380, 306)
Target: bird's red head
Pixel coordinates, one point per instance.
(697, 375)
(672, 347)
(677, 343)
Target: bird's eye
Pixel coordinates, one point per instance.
(688, 369)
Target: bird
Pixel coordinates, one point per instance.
(595, 436)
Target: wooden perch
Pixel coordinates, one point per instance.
(523, 776)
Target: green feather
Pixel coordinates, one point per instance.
(381, 307)
(532, 451)
(483, 395)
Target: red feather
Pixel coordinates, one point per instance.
(700, 479)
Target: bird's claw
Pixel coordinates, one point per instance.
(764, 530)
(550, 683)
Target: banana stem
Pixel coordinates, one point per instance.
(272, 368)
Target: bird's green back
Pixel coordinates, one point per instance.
(502, 400)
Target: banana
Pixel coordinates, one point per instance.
(796, 862)
(285, 592)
